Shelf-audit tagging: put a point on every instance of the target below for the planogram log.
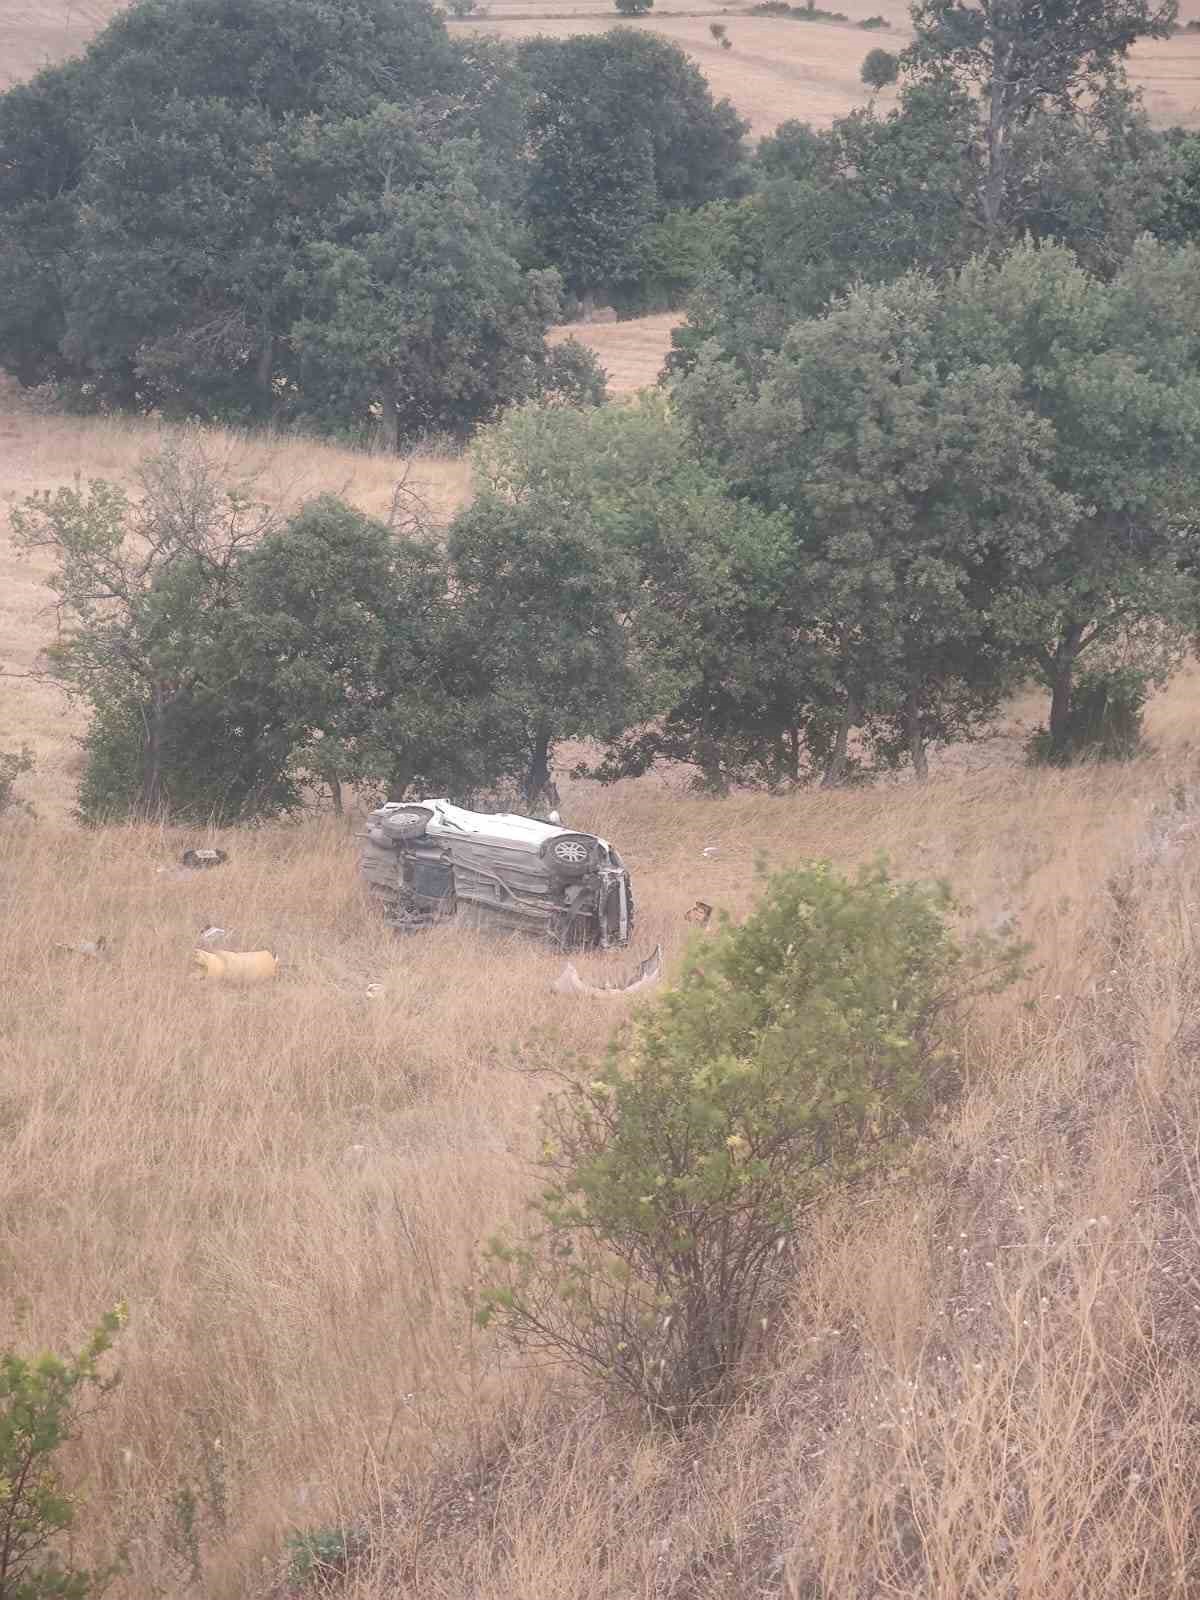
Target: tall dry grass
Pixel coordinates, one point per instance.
(985, 1385)
(287, 1185)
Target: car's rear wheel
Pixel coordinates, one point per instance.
(406, 822)
(570, 855)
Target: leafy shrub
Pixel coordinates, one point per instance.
(880, 68)
(634, 8)
(870, 23)
(571, 376)
(672, 256)
(323, 1557)
(39, 1411)
(800, 1050)
(1104, 722)
(145, 587)
(14, 764)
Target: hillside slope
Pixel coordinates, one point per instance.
(287, 1187)
(981, 1387)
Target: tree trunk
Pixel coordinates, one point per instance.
(335, 794)
(835, 772)
(391, 413)
(264, 373)
(150, 799)
(1060, 708)
(708, 759)
(1061, 683)
(538, 775)
(995, 184)
(914, 735)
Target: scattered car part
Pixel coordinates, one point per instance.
(241, 967)
(86, 947)
(203, 858)
(646, 973)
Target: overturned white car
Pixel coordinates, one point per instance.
(432, 860)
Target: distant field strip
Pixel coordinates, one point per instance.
(632, 353)
(777, 68)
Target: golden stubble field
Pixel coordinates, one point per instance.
(776, 68)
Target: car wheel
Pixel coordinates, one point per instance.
(406, 822)
(570, 855)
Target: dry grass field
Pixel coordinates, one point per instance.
(776, 69)
(632, 353)
(779, 69)
(982, 1388)
(982, 1363)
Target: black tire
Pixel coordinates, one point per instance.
(570, 855)
(405, 823)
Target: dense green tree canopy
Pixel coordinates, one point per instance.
(287, 208)
(1014, 120)
(996, 469)
(335, 213)
(622, 129)
(1024, 55)
(284, 57)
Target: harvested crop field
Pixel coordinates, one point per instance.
(632, 353)
(777, 68)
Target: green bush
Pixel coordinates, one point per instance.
(800, 1050)
(880, 68)
(572, 376)
(39, 1411)
(1104, 722)
(780, 8)
(671, 258)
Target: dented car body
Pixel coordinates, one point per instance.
(433, 860)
